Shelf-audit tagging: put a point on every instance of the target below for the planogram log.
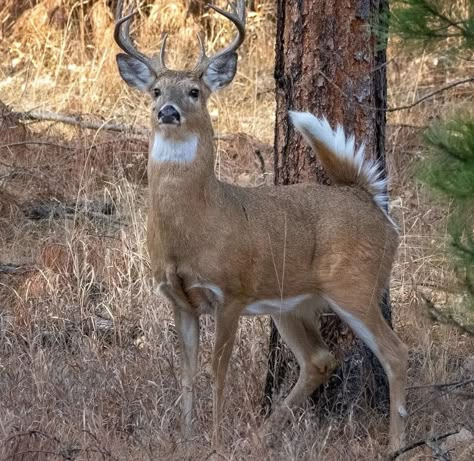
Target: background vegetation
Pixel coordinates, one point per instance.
(88, 352)
(450, 168)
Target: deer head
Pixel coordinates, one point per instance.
(179, 97)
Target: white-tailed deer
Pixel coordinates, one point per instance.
(288, 252)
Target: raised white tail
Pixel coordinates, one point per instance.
(344, 164)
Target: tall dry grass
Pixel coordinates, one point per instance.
(60, 55)
(88, 356)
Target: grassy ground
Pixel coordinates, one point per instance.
(88, 353)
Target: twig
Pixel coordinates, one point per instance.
(445, 317)
(16, 268)
(430, 95)
(103, 451)
(77, 120)
(113, 141)
(440, 386)
(24, 143)
(30, 433)
(28, 452)
(212, 452)
(46, 211)
(64, 453)
(408, 106)
(438, 452)
(438, 287)
(407, 126)
(261, 160)
(436, 438)
(436, 397)
(31, 452)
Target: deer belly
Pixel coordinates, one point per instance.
(260, 307)
(275, 306)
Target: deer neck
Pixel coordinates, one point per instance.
(181, 167)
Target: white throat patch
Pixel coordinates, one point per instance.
(169, 150)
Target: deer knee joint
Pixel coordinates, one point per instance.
(323, 363)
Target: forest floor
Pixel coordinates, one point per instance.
(89, 363)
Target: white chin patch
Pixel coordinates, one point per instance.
(169, 150)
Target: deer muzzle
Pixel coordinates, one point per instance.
(169, 115)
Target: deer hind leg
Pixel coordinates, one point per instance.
(301, 333)
(187, 328)
(370, 326)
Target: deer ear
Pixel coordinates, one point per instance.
(134, 72)
(220, 71)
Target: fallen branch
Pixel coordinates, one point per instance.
(436, 438)
(23, 453)
(64, 451)
(103, 451)
(438, 452)
(72, 211)
(441, 394)
(441, 386)
(77, 120)
(41, 143)
(16, 268)
(444, 317)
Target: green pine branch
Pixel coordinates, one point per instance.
(452, 167)
(450, 170)
(430, 21)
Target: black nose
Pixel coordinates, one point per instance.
(169, 114)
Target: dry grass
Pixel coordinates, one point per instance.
(88, 355)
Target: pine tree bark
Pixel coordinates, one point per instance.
(195, 7)
(328, 62)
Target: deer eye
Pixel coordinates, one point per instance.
(156, 92)
(194, 93)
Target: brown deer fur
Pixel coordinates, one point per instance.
(285, 251)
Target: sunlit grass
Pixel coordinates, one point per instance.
(88, 351)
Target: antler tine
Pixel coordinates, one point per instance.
(123, 40)
(202, 50)
(238, 19)
(163, 52)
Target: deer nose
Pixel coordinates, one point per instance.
(169, 115)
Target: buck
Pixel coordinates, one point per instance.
(289, 252)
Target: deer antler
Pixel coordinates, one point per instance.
(238, 19)
(122, 37)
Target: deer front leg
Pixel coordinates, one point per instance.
(227, 322)
(187, 328)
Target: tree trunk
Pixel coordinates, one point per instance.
(329, 63)
(195, 7)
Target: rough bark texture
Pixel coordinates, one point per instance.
(328, 62)
(195, 8)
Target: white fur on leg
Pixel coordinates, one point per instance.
(357, 326)
(402, 411)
